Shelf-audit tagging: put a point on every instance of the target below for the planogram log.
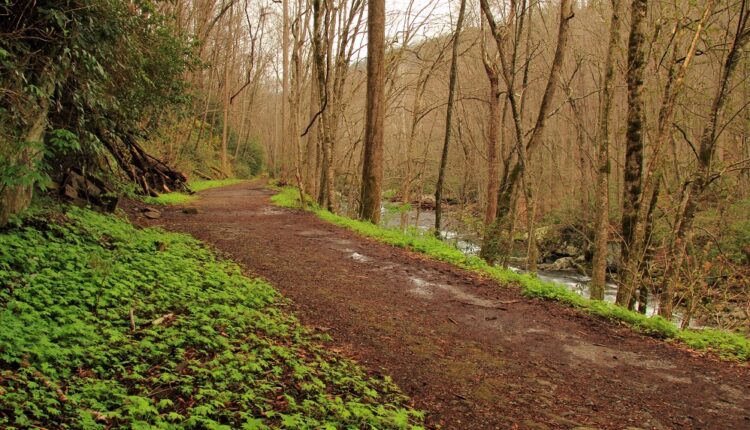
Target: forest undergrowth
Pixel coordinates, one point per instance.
(110, 326)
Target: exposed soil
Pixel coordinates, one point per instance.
(473, 354)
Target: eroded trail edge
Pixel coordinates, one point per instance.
(473, 354)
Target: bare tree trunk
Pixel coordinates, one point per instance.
(448, 119)
(295, 102)
(311, 140)
(633, 169)
(326, 196)
(372, 166)
(601, 223)
(285, 126)
(493, 165)
(227, 93)
(493, 179)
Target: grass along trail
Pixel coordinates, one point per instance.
(471, 353)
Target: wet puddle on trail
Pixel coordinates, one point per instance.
(421, 292)
(423, 288)
(271, 211)
(313, 233)
(608, 357)
(356, 256)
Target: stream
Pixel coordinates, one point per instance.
(457, 233)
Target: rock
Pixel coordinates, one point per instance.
(541, 233)
(152, 214)
(427, 202)
(572, 251)
(613, 256)
(190, 211)
(565, 263)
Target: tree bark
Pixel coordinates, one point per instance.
(326, 195)
(493, 128)
(227, 93)
(285, 125)
(601, 222)
(372, 166)
(633, 169)
(493, 165)
(448, 119)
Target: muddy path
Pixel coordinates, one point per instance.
(472, 354)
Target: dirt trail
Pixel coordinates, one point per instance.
(471, 353)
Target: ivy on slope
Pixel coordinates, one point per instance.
(727, 344)
(206, 347)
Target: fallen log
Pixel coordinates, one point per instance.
(151, 174)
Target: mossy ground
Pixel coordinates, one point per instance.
(205, 348)
(182, 198)
(728, 344)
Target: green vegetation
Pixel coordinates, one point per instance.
(108, 326)
(730, 345)
(197, 186)
(170, 199)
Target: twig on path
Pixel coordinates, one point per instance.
(162, 319)
(452, 320)
(132, 319)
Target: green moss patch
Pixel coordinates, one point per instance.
(182, 198)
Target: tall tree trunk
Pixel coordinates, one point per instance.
(227, 93)
(295, 102)
(601, 222)
(493, 179)
(448, 119)
(372, 166)
(285, 126)
(633, 169)
(321, 29)
(311, 140)
(493, 128)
